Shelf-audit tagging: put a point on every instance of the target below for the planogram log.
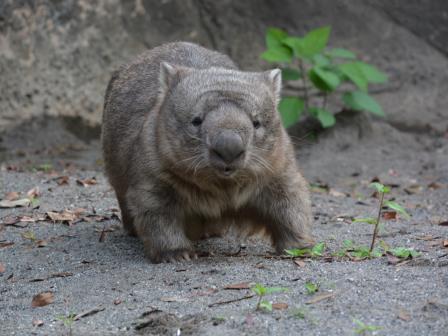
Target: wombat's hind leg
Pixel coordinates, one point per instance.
(126, 217)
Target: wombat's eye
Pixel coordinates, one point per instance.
(196, 121)
(256, 124)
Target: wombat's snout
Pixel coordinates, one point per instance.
(227, 150)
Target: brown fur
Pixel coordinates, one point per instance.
(172, 174)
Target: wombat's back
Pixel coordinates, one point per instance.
(132, 93)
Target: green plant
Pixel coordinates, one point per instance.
(363, 328)
(322, 71)
(311, 287)
(404, 253)
(262, 291)
(67, 321)
(382, 190)
(316, 251)
(359, 252)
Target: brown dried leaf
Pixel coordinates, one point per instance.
(2, 268)
(12, 196)
(38, 323)
(6, 244)
(241, 285)
(62, 180)
(434, 185)
(88, 313)
(23, 202)
(42, 299)
(336, 193)
(10, 220)
(33, 193)
(173, 299)
(64, 216)
(117, 302)
(299, 262)
(41, 243)
(389, 215)
(280, 306)
(404, 315)
(87, 182)
(320, 297)
(445, 243)
(444, 223)
(392, 260)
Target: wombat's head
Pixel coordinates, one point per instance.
(219, 122)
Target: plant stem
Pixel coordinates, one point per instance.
(259, 302)
(324, 101)
(305, 88)
(375, 231)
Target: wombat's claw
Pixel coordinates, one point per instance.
(178, 256)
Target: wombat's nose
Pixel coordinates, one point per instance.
(228, 146)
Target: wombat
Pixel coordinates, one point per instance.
(193, 146)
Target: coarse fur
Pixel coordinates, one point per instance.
(192, 146)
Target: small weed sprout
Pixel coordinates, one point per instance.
(316, 251)
(363, 328)
(311, 287)
(382, 190)
(67, 321)
(321, 71)
(262, 291)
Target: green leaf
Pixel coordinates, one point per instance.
(266, 305)
(259, 289)
(360, 101)
(371, 73)
(341, 53)
(376, 253)
(270, 290)
(381, 188)
(318, 249)
(326, 118)
(290, 74)
(298, 252)
(321, 60)
(347, 243)
(314, 42)
(353, 72)
(405, 253)
(368, 220)
(323, 79)
(290, 110)
(274, 37)
(397, 207)
(311, 288)
(278, 55)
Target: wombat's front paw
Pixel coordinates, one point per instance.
(299, 243)
(172, 256)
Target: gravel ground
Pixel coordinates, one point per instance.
(92, 268)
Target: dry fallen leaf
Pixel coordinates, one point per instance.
(23, 202)
(335, 193)
(434, 185)
(42, 299)
(62, 180)
(87, 182)
(392, 260)
(389, 215)
(173, 299)
(445, 243)
(2, 268)
(64, 216)
(242, 285)
(6, 244)
(444, 223)
(38, 323)
(33, 193)
(280, 306)
(88, 313)
(12, 196)
(41, 243)
(320, 297)
(299, 262)
(117, 302)
(404, 315)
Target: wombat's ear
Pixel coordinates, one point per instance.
(168, 74)
(274, 78)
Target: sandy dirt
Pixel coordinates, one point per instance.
(95, 271)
